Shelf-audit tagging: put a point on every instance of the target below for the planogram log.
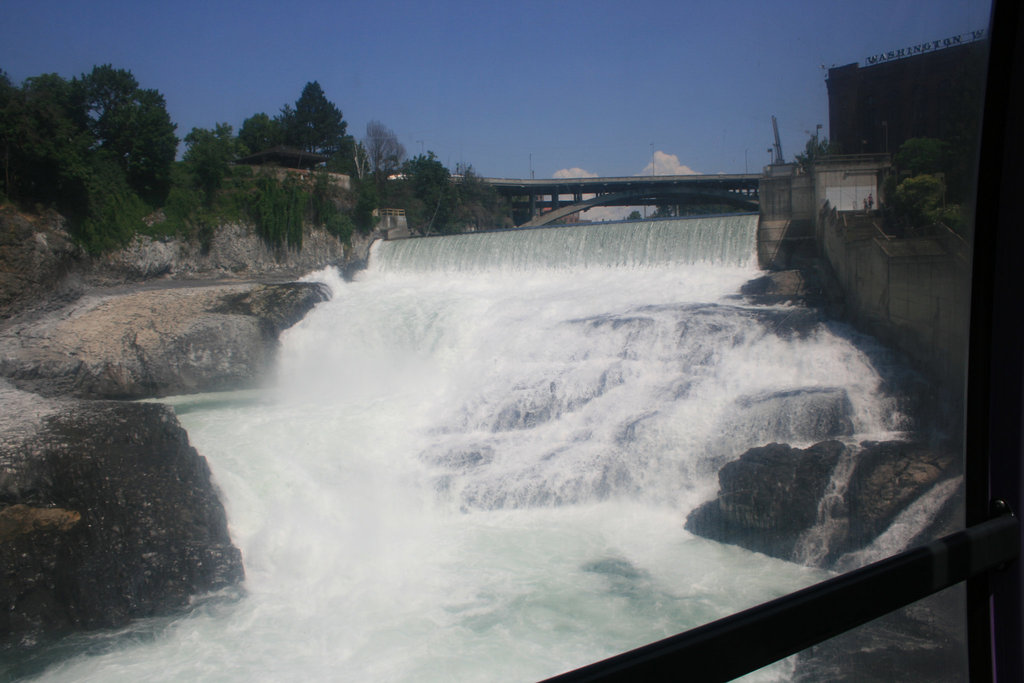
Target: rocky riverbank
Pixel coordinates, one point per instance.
(841, 504)
(42, 268)
(143, 344)
(107, 513)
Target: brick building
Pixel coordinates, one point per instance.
(927, 90)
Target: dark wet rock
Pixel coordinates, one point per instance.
(811, 284)
(784, 286)
(889, 476)
(772, 496)
(276, 306)
(106, 514)
(615, 566)
(156, 342)
(768, 497)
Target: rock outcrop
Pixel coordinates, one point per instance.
(232, 251)
(768, 497)
(887, 477)
(157, 342)
(771, 498)
(106, 514)
(42, 267)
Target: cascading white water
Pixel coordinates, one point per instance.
(476, 460)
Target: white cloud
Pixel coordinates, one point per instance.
(666, 164)
(574, 172)
(662, 164)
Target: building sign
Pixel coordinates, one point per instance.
(921, 48)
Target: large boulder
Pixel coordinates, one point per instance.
(156, 342)
(768, 497)
(887, 477)
(106, 514)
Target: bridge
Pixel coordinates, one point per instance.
(541, 201)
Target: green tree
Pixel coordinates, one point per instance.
(132, 126)
(917, 199)
(315, 124)
(367, 200)
(8, 98)
(260, 132)
(634, 215)
(278, 211)
(115, 211)
(814, 149)
(209, 154)
(45, 145)
(433, 198)
(917, 156)
(477, 204)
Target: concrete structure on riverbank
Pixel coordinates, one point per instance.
(908, 290)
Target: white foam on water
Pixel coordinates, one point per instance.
(469, 471)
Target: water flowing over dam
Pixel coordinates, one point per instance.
(475, 461)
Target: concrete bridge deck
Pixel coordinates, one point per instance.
(565, 196)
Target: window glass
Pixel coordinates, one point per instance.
(717, 368)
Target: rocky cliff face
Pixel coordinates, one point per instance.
(106, 514)
(38, 261)
(40, 265)
(155, 343)
(234, 251)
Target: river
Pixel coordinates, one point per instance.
(475, 461)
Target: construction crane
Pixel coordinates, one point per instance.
(778, 145)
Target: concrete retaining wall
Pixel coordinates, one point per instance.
(912, 293)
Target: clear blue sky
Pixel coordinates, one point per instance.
(596, 85)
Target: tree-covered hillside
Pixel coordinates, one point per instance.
(101, 149)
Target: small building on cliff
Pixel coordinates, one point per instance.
(283, 161)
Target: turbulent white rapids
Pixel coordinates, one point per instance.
(476, 461)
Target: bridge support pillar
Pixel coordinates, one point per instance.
(533, 206)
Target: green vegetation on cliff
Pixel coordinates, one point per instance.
(101, 149)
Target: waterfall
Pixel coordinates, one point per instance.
(813, 545)
(475, 461)
(723, 240)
